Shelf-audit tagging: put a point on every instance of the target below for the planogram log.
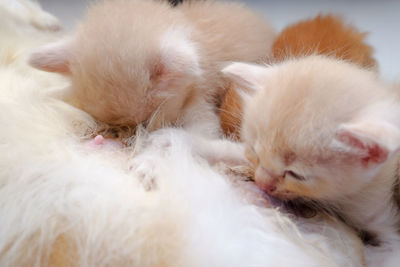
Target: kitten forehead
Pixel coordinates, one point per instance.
(251, 76)
(305, 100)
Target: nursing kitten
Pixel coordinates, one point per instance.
(324, 35)
(145, 62)
(326, 130)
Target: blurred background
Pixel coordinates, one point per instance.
(381, 18)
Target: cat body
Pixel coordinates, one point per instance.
(323, 35)
(133, 62)
(326, 130)
(67, 203)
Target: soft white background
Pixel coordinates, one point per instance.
(381, 18)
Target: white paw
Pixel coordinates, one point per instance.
(144, 168)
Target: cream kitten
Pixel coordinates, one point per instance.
(138, 61)
(326, 130)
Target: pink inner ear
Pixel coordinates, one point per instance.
(49, 64)
(53, 57)
(365, 149)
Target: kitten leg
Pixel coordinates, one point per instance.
(144, 168)
(201, 119)
(212, 150)
(220, 150)
(159, 142)
(203, 124)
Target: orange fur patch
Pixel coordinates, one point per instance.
(324, 35)
(231, 113)
(63, 252)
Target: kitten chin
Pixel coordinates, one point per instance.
(329, 132)
(140, 61)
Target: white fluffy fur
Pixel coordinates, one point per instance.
(31, 13)
(64, 203)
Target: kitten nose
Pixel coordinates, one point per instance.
(266, 179)
(266, 186)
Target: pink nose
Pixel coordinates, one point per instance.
(267, 187)
(266, 180)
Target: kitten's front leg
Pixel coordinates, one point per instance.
(203, 126)
(220, 150)
(144, 168)
(162, 141)
(157, 143)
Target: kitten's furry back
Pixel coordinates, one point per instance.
(325, 35)
(144, 61)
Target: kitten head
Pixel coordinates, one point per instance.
(127, 61)
(316, 127)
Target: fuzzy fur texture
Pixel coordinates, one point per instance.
(30, 12)
(65, 203)
(329, 131)
(140, 61)
(323, 35)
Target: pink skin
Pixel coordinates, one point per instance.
(100, 142)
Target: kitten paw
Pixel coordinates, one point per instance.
(144, 168)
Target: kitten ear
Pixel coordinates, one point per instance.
(53, 57)
(369, 142)
(250, 76)
(179, 59)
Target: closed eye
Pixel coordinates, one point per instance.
(295, 175)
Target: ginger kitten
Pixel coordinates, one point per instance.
(326, 130)
(145, 62)
(324, 35)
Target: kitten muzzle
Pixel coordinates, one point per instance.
(267, 180)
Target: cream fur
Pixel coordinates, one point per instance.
(30, 12)
(64, 203)
(145, 62)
